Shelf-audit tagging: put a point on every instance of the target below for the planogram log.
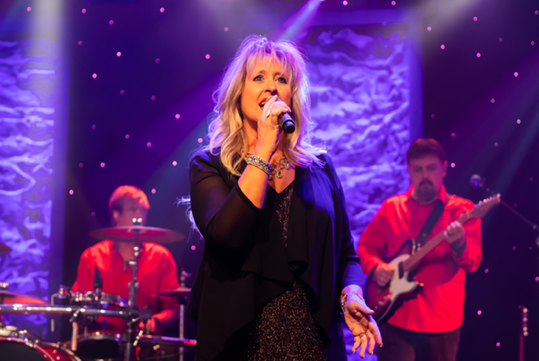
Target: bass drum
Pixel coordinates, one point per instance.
(24, 350)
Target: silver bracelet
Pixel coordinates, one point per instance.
(345, 298)
(259, 163)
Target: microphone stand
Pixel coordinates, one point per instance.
(525, 317)
(534, 226)
(132, 308)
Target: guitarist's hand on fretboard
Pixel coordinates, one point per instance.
(383, 273)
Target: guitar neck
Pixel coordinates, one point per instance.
(414, 259)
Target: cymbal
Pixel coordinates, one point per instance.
(4, 248)
(175, 292)
(11, 298)
(128, 234)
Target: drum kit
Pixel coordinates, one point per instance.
(88, 343)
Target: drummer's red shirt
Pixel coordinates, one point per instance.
(439, 306)
(156, 271)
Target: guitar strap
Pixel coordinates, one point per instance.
(427, 228)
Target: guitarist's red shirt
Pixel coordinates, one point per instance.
(439, 306)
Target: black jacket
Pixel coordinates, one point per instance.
(245, 263)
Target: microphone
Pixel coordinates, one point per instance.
(289, 126)
(476, 181)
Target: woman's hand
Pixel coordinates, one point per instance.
(358, 317)
(269, 129)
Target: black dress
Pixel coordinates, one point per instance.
(284, 329)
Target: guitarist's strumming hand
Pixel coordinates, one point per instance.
(383, 273)
(455, 236)
(358, 317)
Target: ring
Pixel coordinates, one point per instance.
(362, 334)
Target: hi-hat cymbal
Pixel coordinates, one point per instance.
(4, 248)
(11, 298)
(145, 234)
(175, 292)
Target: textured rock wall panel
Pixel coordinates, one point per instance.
(360, 102)
(27, 72)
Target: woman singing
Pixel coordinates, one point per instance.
(279, 263)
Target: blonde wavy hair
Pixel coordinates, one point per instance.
(226, 131)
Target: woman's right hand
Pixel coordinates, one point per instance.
(269, 129)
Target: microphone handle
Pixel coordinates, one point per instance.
(289, 126)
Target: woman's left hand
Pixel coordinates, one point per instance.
(358, 317)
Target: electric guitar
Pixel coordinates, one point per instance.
(385, 300)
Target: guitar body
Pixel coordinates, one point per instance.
(385, 300)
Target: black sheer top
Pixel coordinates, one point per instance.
(245, 263)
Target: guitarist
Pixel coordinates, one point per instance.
(427, 326)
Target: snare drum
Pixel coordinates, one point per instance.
(19, 349)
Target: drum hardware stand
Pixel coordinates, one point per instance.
(62, 294)
(181, 322)
(75, 332)
(3, 287)
(523, 331)
(132, 307)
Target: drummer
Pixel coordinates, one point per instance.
(156, 266)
